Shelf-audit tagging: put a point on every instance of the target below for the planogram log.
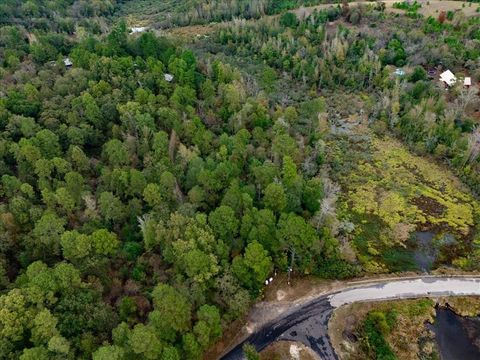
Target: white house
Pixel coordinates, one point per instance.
(168, 77)
(448, 78)
(467, 82)
(67, 62)
(136, 30)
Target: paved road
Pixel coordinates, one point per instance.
(308, 323)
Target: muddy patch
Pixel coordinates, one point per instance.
(288, 350)
(429, 206)
(425, 252)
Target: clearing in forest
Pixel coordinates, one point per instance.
(391, 194)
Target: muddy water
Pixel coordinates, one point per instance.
(455, 335)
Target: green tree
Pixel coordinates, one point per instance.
(104, 242)
(172, 314)
(250, 352)
(289, 172)
(116, 153)
(109, 352)
(191, 347)
(75, 246)
(289, 19)
(44, 327)
(418, 74)
(117, 39)
(269, 77)
(152, 195)
(36, 353)
(254, 267)
(111, 207)
(15, 317)
(312, 194)
(200, 266)
(58, 344)
(65, 200)
(144, 341)
(224, 223)
(300, 239)
(208, 327)
(47, 232)
(275, 198)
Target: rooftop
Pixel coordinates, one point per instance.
(448, 77)
(135, 30)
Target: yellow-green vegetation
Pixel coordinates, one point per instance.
(390, 193)
(401, 188)
(387, 330)
(463, 305)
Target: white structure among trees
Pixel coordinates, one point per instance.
(448, 78)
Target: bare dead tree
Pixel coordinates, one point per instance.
(466, 97)
(172, 145)
(473, 151)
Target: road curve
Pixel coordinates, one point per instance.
(308, 323)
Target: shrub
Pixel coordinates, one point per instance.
(289, 19)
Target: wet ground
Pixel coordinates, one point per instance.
(425, 254)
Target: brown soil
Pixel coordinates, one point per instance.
(288, 350)
(192, 31)
(279, 290)
(429, 206)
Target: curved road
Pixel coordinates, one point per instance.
(308, 323)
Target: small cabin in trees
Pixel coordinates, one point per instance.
(136, 30)
(448, 78)
(168, 77)
(67, 62)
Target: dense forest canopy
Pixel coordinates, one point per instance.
(140, 213)
(58, 15)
